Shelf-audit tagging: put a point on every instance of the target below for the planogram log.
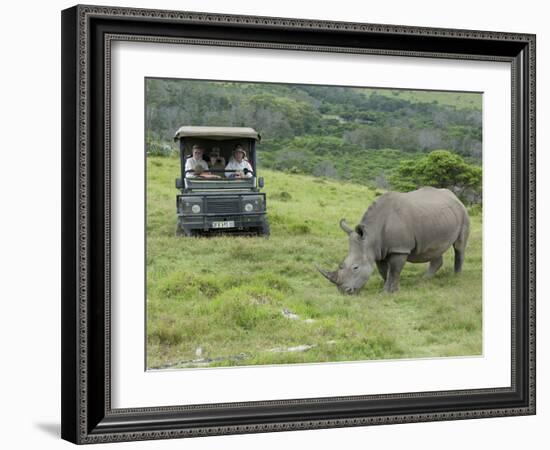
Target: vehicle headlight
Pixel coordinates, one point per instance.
(253, 203)
(196, 208)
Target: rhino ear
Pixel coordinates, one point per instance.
(361, 231)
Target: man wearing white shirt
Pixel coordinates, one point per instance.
(239, 164)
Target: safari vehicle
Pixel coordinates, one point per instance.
(214, 200)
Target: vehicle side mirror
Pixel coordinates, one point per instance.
(261, 182)
(179, 184)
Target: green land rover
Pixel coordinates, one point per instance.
(220, 189)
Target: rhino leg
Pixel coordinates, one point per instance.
(396, 261)
(383, 269)
(435, 265)
(459, 260)
(460, 247)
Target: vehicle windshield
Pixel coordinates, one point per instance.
(227, 161)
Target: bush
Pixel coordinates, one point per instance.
(156, 148)
(441, 169)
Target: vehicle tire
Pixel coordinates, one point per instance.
(190, 233)
(264, 229)
(181, 231)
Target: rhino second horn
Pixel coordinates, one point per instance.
(330, 276)
(345, 226)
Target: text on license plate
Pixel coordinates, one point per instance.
(225, 224)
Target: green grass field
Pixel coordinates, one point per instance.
(226, 301)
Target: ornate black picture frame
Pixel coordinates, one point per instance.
(87, 34)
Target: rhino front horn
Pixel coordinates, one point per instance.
(330, 276)
(345, 226)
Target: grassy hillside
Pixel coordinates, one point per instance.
(248, 300)
(460, 100)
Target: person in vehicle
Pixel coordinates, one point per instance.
(238, 163)
(196, 165)
(217, 162)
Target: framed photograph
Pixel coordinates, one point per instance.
(280, 224)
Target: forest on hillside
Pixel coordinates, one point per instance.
(361, 135)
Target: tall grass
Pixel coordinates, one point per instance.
(230, 300)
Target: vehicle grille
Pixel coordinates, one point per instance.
(222, 205)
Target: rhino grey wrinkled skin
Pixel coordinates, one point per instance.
(417, 226)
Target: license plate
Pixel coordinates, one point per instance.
(226, 224)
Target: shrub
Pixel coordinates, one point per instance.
(156, 148)
(441, 169)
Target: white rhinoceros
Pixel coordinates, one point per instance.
(417, 226)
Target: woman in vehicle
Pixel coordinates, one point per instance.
(238, 166)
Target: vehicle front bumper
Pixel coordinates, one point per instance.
(205, 221)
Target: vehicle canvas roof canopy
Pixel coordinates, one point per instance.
(217, 133)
